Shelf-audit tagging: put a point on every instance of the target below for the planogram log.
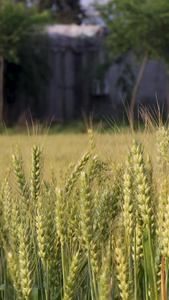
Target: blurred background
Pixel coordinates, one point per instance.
(63, 59)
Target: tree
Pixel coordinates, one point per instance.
(65, 11)
(16, 22)
(73, 4)
(140, 27)
(28, 77)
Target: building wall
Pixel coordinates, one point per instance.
(75, 64)
(151, 92)
(76, 84)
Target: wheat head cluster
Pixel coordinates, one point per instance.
(100, 232)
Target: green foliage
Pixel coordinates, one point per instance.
(17, 22)
(65, 11)
(30, 74)
(73, 4)
(138, 26)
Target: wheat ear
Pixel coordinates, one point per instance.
(75, 174)
(20, 175)
(72, 277)
(36, 172)
(25, 261)
(122, 272)
(86, 210)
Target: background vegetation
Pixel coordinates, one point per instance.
(138, 28)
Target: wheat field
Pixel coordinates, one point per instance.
(84, 217)
(59, 150)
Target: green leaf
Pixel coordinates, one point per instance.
(35, 294)
(2, 287)
(137, 26)
(149, 263)
(59, 295)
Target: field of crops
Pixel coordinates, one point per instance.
(84, 216)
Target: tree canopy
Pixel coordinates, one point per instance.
(16, 22)
(61, 4)
(64, 11)
(140, 27)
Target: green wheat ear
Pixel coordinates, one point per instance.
(41, 230)
(165, 233)
(91, 139)
(127, 209)
(122, 271)
(76, 173)
(36, 172)
(60, 215)
(144, 213)
(86, 209)
(162, 142)
(96, 169)
(14, 273)
(23, 186)
(6, 204)
(104, 281)
(70, 289)
(20, 175)
(143, 188)
(25, 261)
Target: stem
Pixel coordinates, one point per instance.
(90, 276)
(149, 263)
(64, 265)
(153, 267)
(167, 96)
(136, 86)
(94, 284)
(145, 274)
(40, 278)
(135, 271)
(163, 278)
(1, 87)
(47, 294)
(166, 278)
(129, 255)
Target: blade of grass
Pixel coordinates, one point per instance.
(149, 263)
(163, 278)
